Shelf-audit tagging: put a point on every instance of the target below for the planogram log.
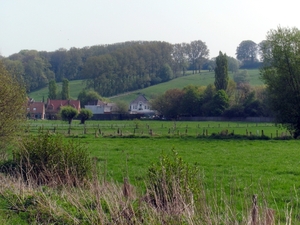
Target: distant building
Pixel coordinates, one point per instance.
(140, 105)
(35, 110)
(100, 107)
(53, 107)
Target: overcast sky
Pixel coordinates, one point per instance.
(222, 24)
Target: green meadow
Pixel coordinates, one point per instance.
(238, 166)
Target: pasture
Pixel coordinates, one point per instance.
(238, 167)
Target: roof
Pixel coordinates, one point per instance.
(36, 107)
(140, 98)
(55, 105)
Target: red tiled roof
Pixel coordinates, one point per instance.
(36, 107)
(55, 105)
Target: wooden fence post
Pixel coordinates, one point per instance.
(254, 211)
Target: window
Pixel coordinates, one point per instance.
(34, 109)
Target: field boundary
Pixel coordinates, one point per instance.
(242, 119)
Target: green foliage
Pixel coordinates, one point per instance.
(169, 103)
(191, 102)
(220, 103)
(197, 53)
(221, 72)
(233, 64)
(52, 90)
(84, 115)
(65, 92)
(68, 113)
(166, 73)
(88, 96)
(247, 51)
(281, 73)
(172, 182)
(49, 159)
(122, 107)
(12, 107)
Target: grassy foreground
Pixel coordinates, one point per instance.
(231, 170)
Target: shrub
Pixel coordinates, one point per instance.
(172, 185)
(47, 159)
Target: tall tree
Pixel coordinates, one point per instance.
(180, 58)
(281, 74)
(221, 72)
(197, 52)
(247, 51)
(65, 92)
(52, 90)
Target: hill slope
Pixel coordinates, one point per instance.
(202, 79)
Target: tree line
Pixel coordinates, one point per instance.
(108, 69)
(117, 68)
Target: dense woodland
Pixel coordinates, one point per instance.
(117, 68)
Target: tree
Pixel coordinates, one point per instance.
(68, 113)
(233, 64)
(122, 107)
(169, 103)
(84, 115)
(220, 103)
(221, 72)
(197, 52)
(65, 93)
(247, 51)
(281, 74)
(191, 101)
(180, 58)
(166, 72)
(12, 106)
(52, 90)
(88, 96)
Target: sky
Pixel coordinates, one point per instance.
(48, 25)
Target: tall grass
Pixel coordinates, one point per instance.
(175, 194)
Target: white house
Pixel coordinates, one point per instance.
(140, 106)
(99, 107)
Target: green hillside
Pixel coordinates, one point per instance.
(202, 79)
(75, 87)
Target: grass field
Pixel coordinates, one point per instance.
(202, 79)
(231, 169)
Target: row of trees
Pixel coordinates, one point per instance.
(122, 66)
(63, 95)
(113, 69)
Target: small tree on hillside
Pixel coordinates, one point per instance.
(65, 95)
(68, 113)
(84, 115)
(52, 90)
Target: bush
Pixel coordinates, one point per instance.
(47, 159)
(172, 185)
